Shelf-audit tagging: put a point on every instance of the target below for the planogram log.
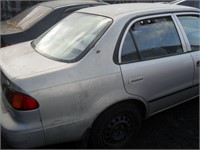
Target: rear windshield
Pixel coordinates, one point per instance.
(29, 17)
(72, 36)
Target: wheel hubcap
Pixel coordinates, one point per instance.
(118, 130)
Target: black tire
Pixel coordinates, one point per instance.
(116, 127)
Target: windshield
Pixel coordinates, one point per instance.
(29, 17)
(68, 39)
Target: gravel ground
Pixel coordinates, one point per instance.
(176, 128)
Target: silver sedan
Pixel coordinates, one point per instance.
(99, 72)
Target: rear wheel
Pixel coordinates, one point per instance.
(116, 127)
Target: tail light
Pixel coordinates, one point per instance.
(20, 101)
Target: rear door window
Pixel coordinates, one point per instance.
(156, 37)
(129, 52)
(151, 38)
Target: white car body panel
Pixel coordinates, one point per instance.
(72, 95)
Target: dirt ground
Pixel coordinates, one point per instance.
(176, 128)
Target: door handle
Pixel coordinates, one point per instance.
(198, 63)
(137, 79)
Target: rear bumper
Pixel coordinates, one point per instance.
(23, 139)
(20, 135)
(18, 131)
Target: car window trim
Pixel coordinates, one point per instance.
(148, 59)
(189, 49)
(149, 17)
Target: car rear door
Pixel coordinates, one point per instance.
(154, 62)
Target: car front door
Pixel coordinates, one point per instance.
(191, 31)
(154, 62)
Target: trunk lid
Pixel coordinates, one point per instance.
(22, 60)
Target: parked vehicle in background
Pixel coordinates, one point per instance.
(191, 3)
(99, 72)
(36, 20)
(134, 1)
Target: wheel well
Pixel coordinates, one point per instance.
(140, 105)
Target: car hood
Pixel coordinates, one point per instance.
(8, 29)
(22, 60)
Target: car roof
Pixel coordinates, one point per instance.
(61, 3)
(137, 8)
